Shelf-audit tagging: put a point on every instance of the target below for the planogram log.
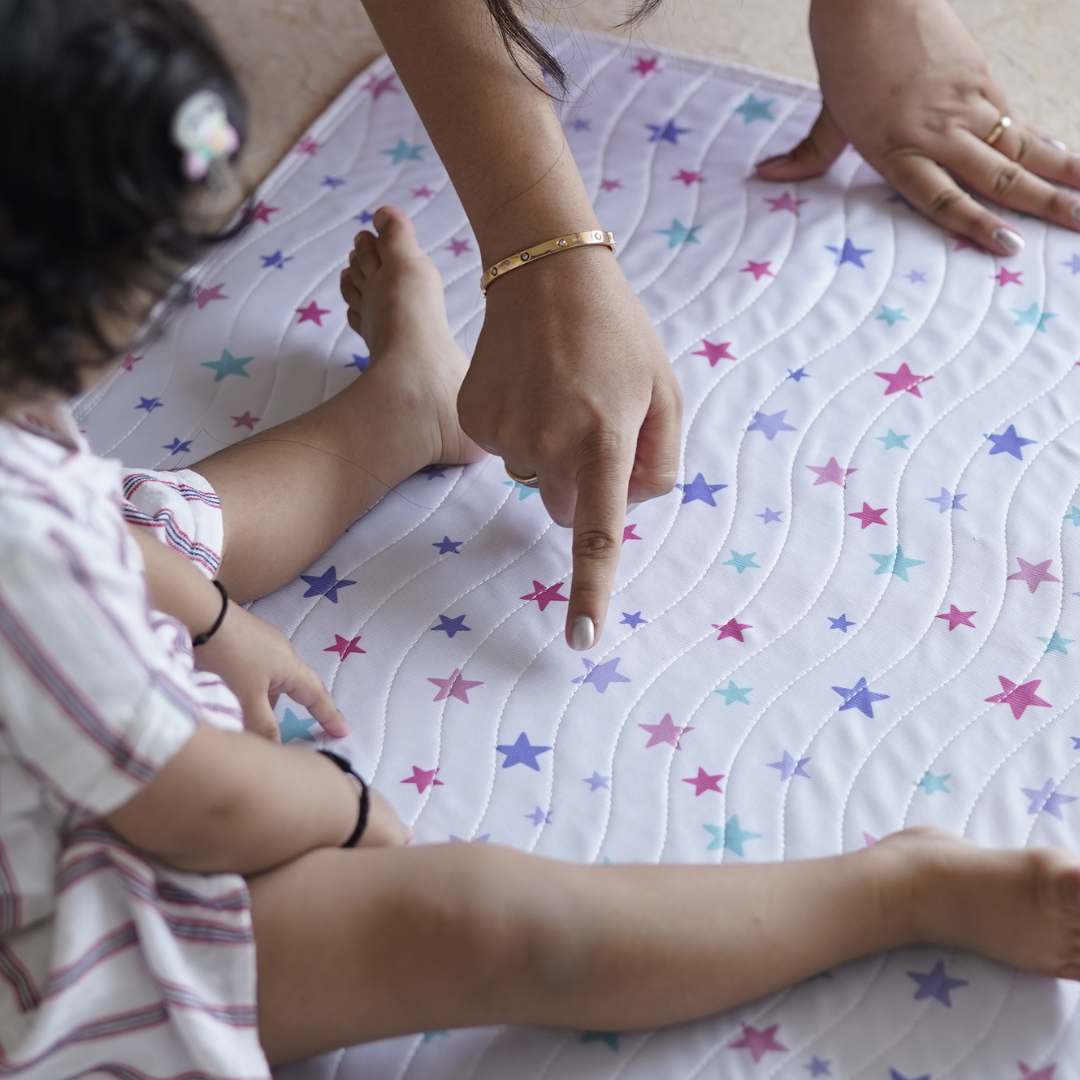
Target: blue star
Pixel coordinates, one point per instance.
(742, 562)
(609, 1038)
(666, 132)
(601, 675)
(150, 404)
(1073, 264)
(580, 123)
(276, 261)
(945, 501)
(326, 584)
(596, 781)
(333, 182)
(1010, 443)
(891, 315)
(733, 693)
(849, 253)
(294, 728)
(365, 217)
(1076, 741)
(818, 1067)
(841, 622)
(434, 472)
(678, 233)
(428, 1036)
(1056, 643)
(936, 984)
(895, 562)
(405, 152)
(539, 816)
(916, 277)
(229, 365)
(521, 752)
(754, 108)
(178, 446)
(1033, 316)
(361, 363)
(932, 782)
(789, 766)
(770, 424)
(452, 626)
(731, 836)
(699, 490)
(768, 516)
(447, 546)
(798, 374)
(860, 697)
(523, 490)
(632, 619)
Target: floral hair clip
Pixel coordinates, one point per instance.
(203, 133)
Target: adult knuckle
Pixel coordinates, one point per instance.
(595, 544)
(1005, 179)
(1023, 148)
(945, 201)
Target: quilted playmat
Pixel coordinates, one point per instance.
(855, 613)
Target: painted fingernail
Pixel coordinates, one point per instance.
(1010, 240)
(774, 160)
(582, 633)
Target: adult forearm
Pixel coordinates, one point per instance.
(496, 132)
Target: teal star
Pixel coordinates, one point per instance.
(932, 782)
(405, 152)
(229, 365)
(730, 836)
(1033, 315)
(679, 233)
(1056, 643)
(733, 693)
(609, 1038)
(523, 490)
(437, 1034)
(896, 562)
(891, 315)
(754, 108)
(1073, 515)
(294, 728)
(890, 439)
(742, 562)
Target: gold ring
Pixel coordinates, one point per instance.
(999, 129)
(525, 481)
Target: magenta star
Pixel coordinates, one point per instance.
(646, 65)
(870, 515)
(423, 779)
(784, 202)
(208, 296)
(714, 351)
(732, 629)
(422, 192)
(458, 247)
(1045, 1073)
(129, 362)
(261, 212)
(628, 532)
(1033, 574)
(376, 87)
(665, 732)
(689, 177)
(454, 686)
(903, 378)
(955, 617)
(758, 269)
(545, 594)
(312, 313)
(345, 646)
(759, 1041)
(831, 473)
(245, 420)
(705, 782)
(610, 185)
(1018, 696)
(1005, 276)
(308, 145)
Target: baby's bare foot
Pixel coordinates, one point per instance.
(395, 297)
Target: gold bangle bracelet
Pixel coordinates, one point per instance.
(540, 251)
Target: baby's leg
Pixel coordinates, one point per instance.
(288, 493)
(354, 946)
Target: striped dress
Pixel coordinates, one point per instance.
(111, 964)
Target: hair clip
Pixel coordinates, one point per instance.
(202, 131)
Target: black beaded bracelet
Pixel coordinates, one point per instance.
(362, 814)
(202, 639)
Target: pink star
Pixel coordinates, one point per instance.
(307, 145)
(129, 362)
(261, 212)
(831, 473)
(1018, 696)
(688, 177)
(758, 269)
(312, 313)
(646, 65)
(453, 686)
(423, 779)
(705, 781)
(1005, 276)
(903, 378)
(714, 351)
(458, 247)
(422, 192)
(377, 87)
(345, 646)
(665, 732)
(610, 185)
(1045, 1073)
(732, 629)
(1033, 574)
(208, 296)
(759, 1041)
(545, 594)
(955, 617)
(245, 420)
(628, 532)
(870, 515)
(785, 202)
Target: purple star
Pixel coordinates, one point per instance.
(361, 363)
(601, 675)
(452, 626)
(666, 132)
(326, 584)
(770, 424)
(895, 1074)
(1073, 264)
(849, 253)
(860, 697)
(539, 817)
(916, 277)
(632, 619)
(581, 124)
(178, 446)
(768, 516)
(936, 983)
(945, 501)
(276, 261)
(1046, 800)
(150, 404)
(700, 490)
(364, 217)
(333, 182)
(841, 622)
(447, 546)
(818, 1067)
(521, 752)
(1009, 442)
(798, 374)
(596, 781)
(789, 766)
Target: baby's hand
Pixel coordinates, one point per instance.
(384, 827)
(258, 663)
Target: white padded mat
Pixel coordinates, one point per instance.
(857, 613)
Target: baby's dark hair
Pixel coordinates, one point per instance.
(94, 203)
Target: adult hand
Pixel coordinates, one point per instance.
(570, 383)
(905, 83)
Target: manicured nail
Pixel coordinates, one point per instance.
(1010, 240)
(774, 160)
(582, 633)
(1058, 144)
